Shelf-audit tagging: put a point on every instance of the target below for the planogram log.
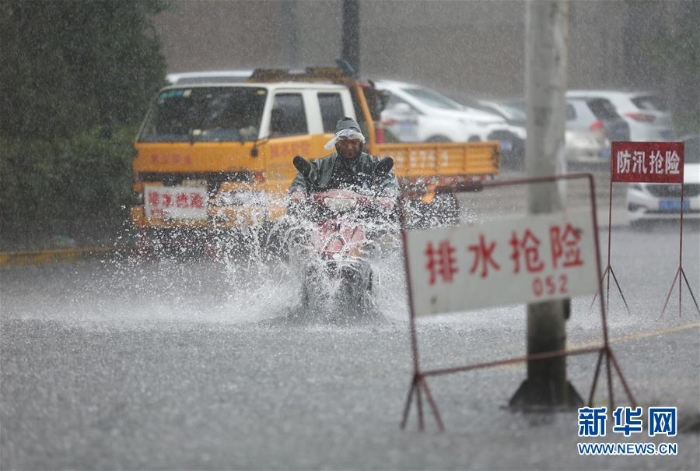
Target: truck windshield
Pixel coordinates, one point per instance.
(205, 114)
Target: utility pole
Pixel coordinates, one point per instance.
(351, 34)
(290, 36)
(546, 386)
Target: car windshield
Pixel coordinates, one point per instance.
(514, 114)
(432, 98)
(205, 114)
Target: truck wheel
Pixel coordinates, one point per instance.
(514, 157)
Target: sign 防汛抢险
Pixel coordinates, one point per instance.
(647, 162)
(539, 258)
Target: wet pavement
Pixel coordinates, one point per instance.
(190, 365)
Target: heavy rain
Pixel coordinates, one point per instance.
(179, 291)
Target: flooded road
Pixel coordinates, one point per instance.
(190, 365)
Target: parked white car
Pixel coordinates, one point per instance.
(418, 114)
(647, 202)
(585, 146)
(591, 125)
(512, 133)
(214, 76)
(645, 112)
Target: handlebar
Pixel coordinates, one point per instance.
(334, 203)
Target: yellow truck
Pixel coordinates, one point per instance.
(218, 155)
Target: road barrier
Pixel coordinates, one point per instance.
(649, 162)
(454, 269)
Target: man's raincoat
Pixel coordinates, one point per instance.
(334, 171)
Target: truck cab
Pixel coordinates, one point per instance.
(218, 156)
(221, 140)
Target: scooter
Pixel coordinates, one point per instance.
(338, 282)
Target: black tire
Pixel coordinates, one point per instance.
(514, 159)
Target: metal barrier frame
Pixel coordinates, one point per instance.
(419, 384)
(608, 269)
(679, 270)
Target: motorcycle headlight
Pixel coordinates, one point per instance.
(340, 205)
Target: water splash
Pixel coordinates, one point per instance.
(249, 275)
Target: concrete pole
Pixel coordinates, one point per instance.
(546, 386)
(290, 36)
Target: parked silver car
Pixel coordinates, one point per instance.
(595, 120)
(583, 146)
(647, 202)
(588, 125)
(646, 112)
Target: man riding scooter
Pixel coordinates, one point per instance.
(347, 197)
(347, 168)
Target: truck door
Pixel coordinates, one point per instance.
(291, 128)
(331, 107)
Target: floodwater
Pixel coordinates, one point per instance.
(188, 364)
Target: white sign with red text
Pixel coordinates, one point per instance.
(540, 258)
(175, 202)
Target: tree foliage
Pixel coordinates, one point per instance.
(71, 65)
(71, 70)
(77, 187)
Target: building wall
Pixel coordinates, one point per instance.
(458, 46)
